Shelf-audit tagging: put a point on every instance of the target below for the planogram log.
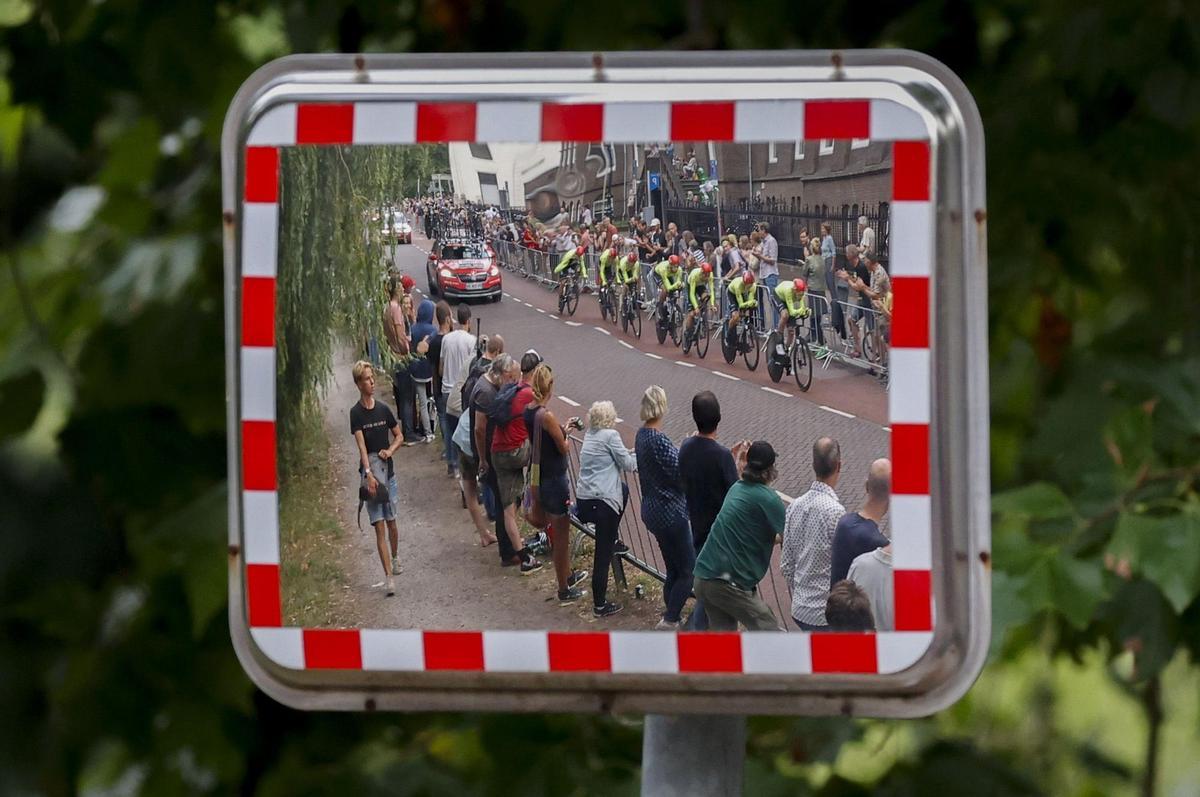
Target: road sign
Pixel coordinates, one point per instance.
(655, 181)
(937, 402)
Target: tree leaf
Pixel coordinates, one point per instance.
(1165, 549)
(1072, 587)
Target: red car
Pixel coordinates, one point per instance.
(463, 270)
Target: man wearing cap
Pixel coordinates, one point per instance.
(737, 553)
(656, 243)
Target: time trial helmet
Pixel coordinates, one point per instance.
(749, 278)
(673, 260)
(631, 258)
(579, 251)
(706, 268)
(800, 285)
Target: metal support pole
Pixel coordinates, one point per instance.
(695, 756)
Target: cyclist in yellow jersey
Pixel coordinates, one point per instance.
(791, 295)
(572, 259)
(670, 279)
(742, 297)
(700, 285)
(608, 262)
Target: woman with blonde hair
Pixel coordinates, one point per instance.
(602, 495)
(548, 479)
(664, 507)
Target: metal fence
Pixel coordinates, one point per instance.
(787, 220)
(645, 554)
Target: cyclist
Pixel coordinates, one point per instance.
(670, 280)
(700, 287)
(608, 262)
(791, 296)
(629, 271)
(572, 261)
(741, 297)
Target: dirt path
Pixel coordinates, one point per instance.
(448, 581)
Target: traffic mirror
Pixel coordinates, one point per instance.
(860, 173)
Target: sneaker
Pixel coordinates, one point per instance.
(511, 561)
(609, 608)
(575, 577)
(666, 625)
(530, 565)
(620, 547)
(389, 586)
(427, 439)
(570, 595)
(395, 565)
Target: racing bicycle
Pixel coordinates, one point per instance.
(741, 340)
(699, 333)
(569, 297)
(671, 321)
(796, 359)
(631, 310)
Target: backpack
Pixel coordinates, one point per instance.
(500, 411)
(474, 371)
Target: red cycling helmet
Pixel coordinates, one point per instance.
(631, 258)
(579, 251)
(706, 268)
(749, 278)
(673, 260)
(612, 252)
(800, 285)
(407, 282)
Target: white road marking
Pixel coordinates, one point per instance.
(835, 412)
(776, 392)
(623, 343)
(602, 329)
(620, 420)
(540, 310)
(727, 376)
(784, 496)
(566, 400)
(527, 304)
(574, 324)
(886, 428)
(655, 356)
(685, 365)
(552, 315)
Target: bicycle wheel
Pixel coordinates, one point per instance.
(675, 323)
(750, 348)
(802, 363)
(701, 333)
(626, 313)
(728, 342)
(572, 297)
(774, 366)
(635, 316)
(660, 326)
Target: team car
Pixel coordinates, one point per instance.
(463, 269)
(397, 228)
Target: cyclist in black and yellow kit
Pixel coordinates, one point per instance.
(700, 286)
(670, 280)
(791, 296)
(572, 260)
(741, 299)
(608, 265)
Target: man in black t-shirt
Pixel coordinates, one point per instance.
(377, 435)
(708, 470)
(858, 532)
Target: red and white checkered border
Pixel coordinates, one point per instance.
(378, 122)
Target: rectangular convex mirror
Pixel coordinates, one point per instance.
(623, 387)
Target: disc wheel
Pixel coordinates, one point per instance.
(728, 346)
(676, 324)
(660, 328)
(774, 366)
(802, 364)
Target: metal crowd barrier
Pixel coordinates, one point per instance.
(644, 552)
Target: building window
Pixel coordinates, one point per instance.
(799, 153)
(860, 143)
(772, 155)
(480, 151)
(826, 147)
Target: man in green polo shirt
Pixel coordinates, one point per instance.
(737, 553)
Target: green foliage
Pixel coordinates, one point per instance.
(116, 672)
